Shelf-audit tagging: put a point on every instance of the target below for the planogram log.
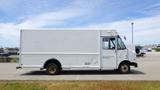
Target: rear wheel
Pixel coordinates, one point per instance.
(52, 69)
(124, 68)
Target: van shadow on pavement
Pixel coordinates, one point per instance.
(106, 72)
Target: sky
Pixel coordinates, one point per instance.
(110, 14)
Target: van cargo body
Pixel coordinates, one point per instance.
(74, 49)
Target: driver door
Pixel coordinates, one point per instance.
(108, 53)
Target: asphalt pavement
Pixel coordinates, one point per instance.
(148, 69)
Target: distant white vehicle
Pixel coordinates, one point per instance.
(149, 49)
(140, 51)
(74, 49)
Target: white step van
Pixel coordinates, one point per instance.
(74, 49)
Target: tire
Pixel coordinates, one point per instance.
(124, 68)
(137, 51)
(52, 69)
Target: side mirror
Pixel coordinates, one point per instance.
(125, 38)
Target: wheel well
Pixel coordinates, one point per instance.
(125, 61)
(52, 61)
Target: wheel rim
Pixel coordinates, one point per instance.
(124, 68)
(51, 69)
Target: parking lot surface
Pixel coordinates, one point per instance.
(148, 69)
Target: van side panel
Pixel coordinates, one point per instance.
(75, 49)
(68, 62)
(60, 41)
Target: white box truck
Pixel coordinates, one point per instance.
(74, 49)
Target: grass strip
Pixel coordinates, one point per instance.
(156, 49)
(79, 85)
(4, 59)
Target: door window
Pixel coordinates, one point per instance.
(109, 43)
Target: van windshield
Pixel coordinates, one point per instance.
(120, 44)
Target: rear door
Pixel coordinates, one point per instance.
(108, 53)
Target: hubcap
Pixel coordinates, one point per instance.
(52, 69)
(124, 68)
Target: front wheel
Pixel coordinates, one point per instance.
(124, 68)
(52, 69)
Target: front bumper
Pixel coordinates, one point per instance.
(134, 64)
(19, 67)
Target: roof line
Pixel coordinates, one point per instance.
(68, 29)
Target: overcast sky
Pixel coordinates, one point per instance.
(110, 14)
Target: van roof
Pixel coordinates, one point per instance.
(103, 31)
(111, 30)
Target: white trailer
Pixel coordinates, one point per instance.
(74, 49)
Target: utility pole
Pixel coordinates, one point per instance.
(132, 36)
